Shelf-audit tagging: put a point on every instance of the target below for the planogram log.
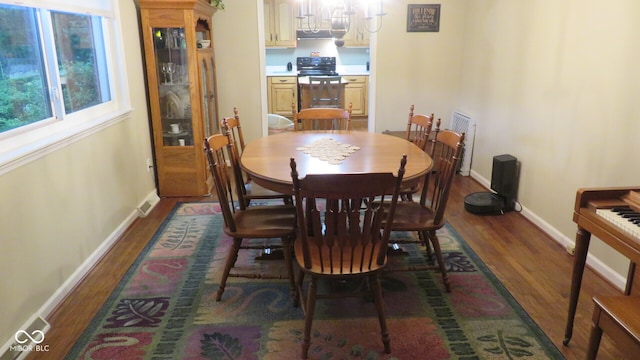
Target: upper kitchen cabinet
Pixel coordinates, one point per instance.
(357, 36)
(279, 23)
(180, 66)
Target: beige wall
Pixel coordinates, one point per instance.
(57, 210)
(420, 68)
(556, 85)
(240, 64)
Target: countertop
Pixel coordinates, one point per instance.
(343, 70)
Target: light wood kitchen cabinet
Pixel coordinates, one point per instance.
(358, 36)
(182, 91)
(355, 92)
(283, 91)
(279, 23)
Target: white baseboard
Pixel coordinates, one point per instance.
(65, 289)
(595, 263)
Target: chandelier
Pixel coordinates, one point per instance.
(341, 15)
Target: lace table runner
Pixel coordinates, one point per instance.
(329, 150)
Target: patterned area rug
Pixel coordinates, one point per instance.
(164, 308)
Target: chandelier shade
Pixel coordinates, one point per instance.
(342, 15)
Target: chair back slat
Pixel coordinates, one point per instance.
(341, 216)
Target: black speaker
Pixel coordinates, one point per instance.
(504, 178)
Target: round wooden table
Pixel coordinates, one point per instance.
(266, 159)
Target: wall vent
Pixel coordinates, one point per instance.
(145, 207)
(463, 123)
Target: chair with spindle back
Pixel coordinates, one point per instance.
(231, 127)
(341, 235)
(418, 131)
(244, 223)
(427, 216)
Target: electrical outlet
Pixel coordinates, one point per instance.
(571, 249)
(149, 164)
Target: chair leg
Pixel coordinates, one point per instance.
(377, 296)
(310, 309)
(286, 248)
(436, 249)
(298, 295)
(425, 241)
(232, 257)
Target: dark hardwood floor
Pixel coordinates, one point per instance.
(532, 266)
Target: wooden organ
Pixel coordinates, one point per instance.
(613, 216)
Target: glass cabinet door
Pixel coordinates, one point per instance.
(170, 49)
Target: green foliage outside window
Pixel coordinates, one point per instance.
(81, 89)
(22, 101)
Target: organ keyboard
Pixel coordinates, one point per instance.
(597, 212)
(623, 217)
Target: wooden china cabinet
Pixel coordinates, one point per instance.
(182, 91)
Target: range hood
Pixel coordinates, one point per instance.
(321, 34)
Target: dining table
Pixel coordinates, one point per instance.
(267, 159)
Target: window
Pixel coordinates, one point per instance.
(55, 78)
(31, 91)
(24, 97)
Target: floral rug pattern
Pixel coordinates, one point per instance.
(165, 307)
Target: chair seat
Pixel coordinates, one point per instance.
(347, 267)
(273, 221)
(411, 216)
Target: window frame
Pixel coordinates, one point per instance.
(33, 141)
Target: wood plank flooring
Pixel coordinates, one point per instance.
(533, 267)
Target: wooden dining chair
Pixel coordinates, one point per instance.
(244, 223)
(321, 118)
(326, 91)
(341, 235)
(231, 127)
(427, 216)
(419, 128)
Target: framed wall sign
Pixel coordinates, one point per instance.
(423, 18)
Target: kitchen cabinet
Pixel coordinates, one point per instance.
(357, 36)
(181, 90)
(355, 92)
(282, 92)
(279, 23)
